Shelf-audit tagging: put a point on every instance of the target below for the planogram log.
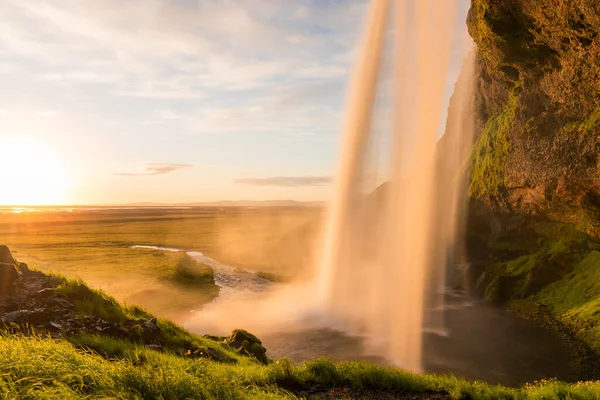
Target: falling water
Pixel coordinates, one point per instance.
(382, 268)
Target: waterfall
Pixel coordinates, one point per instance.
(382, 267)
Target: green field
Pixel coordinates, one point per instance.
(94, 244)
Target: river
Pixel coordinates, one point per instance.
(482, 343)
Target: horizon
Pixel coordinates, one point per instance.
(97, 111)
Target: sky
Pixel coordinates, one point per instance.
(111, 101)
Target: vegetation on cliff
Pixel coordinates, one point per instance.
(534, 215)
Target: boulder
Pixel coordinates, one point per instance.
(151, 330)
(6, 256)
(8, 271)
(215, 338)
(31, 317)
(247, 344)
(238, 336)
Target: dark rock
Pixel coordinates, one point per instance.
(62, 303)
(215, 338)
(238, 336)
(8, 276)
(247, 344)
(15, 317)
(32, 317)
(56, 325)
(145, 329)
(11, 305)
(212, 354)
(24, 269)
(46, 292)
(6, 256)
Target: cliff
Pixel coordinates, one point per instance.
(534, 180)
(538, 109)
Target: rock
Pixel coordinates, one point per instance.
(11, 305)
(238, 336)
(46, 292)
(56, 325)
(260, 353)
(15, 317)
(32, 317)
(150, 329)
(215, 338)
(6, 256)
(23, 268)
(247, 344)
(155, 347)
(212, 354)
(60, 302)
(8, 271)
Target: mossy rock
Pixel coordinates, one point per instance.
(239, 335)
(247, 344)
(260, 353)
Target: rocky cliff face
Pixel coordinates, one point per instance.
(538, 111)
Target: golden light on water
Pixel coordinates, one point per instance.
(31, 174)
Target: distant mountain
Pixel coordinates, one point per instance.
(232, 203)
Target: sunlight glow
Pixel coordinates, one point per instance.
(31, 174)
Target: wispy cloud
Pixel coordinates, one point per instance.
(286, 181)
(156, 169)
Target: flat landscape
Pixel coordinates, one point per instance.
(95, 244)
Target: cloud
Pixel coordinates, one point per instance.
(157, 48)
(47, 113)
(286, 181)
(157, 169)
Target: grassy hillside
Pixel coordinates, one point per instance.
(140, 357)
(35, 367)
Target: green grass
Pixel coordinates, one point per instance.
(575, 300)
(35, 367)
(189, 272)
(95, 302)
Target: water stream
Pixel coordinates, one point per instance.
(482, 343)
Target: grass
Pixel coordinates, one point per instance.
(575, 300)
(94, 302)
(35, 367)
(189, 272)
(88, 365)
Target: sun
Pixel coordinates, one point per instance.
(30, 174)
